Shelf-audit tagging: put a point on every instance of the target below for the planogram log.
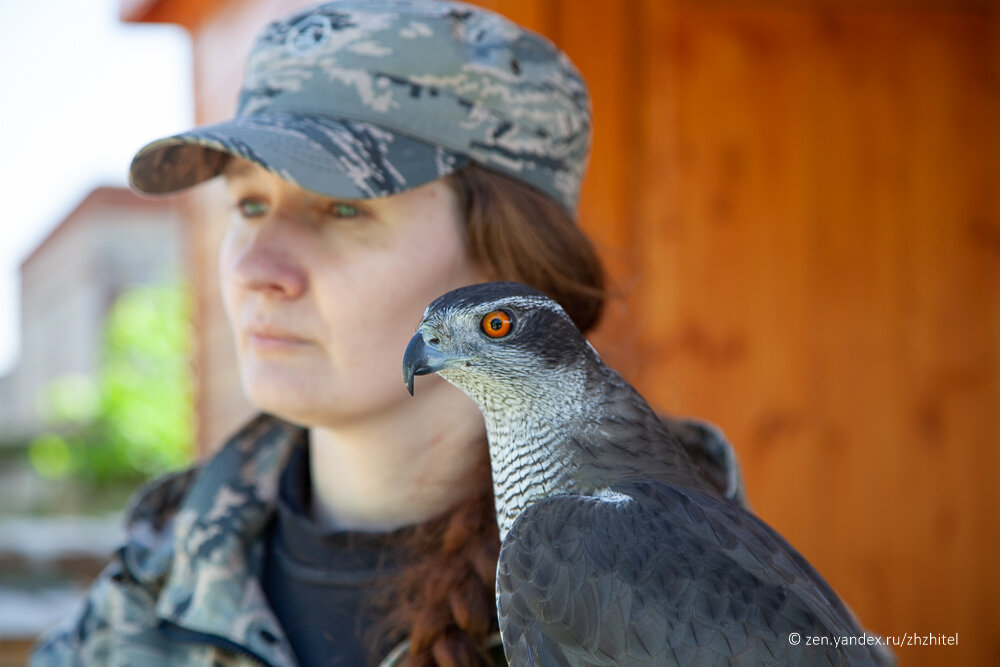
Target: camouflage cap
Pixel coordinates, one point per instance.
(366, 98)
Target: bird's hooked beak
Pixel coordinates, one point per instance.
(421, 358)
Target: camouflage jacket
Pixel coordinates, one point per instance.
(185, 588)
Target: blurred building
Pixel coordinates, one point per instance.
(111, 241)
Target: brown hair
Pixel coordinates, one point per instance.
(514, 232)
(443, 601)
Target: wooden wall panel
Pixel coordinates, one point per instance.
(820, 278)
(600, 41)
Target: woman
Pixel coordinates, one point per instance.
(383, 153)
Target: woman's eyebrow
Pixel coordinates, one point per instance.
(237, 169)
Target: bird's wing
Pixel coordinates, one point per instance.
(712, 453)
(680, 451)
(649, 574)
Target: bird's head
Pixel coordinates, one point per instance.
(499, 340)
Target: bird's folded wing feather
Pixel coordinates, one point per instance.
(650, 574)
(712, 453)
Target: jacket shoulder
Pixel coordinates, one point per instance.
(123, 596)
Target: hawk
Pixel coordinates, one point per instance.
(616, 547)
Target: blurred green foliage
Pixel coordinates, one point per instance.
(136, 418)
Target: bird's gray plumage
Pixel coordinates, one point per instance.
(618, 546)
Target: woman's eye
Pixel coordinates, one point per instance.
(251, 208)
(344, 210)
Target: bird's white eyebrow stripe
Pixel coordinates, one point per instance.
(525, 302)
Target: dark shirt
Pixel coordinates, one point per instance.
(319, 582)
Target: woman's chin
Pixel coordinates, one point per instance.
(318, 401)
(283, 392)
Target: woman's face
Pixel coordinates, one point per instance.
(323, 294)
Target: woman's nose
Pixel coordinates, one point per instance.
(268, 262)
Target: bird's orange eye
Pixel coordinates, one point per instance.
(497, 324)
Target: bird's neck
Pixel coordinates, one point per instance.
(560, 437)
(527, 467)
(526, 428)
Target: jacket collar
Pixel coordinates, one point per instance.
(212, 587)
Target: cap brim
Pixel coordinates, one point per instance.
(336, 158)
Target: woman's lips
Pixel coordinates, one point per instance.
(270, 338)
